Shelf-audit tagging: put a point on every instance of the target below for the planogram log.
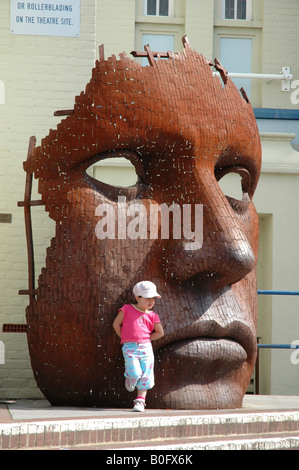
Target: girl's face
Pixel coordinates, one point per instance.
(145, 304)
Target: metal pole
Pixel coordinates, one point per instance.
(277, 292)
(278, 346)
(285, 76)
(262, 76)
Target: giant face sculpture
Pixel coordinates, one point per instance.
(183, 130)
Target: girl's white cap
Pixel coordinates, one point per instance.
(145, 289)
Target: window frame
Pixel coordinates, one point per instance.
(248, 11)
(239, 32)
(170, 9)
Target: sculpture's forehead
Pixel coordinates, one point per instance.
(178, 97)
(180, 91)
(174, 102)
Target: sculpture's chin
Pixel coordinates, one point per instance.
(216, 377)
(223, 394)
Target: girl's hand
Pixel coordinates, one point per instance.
(158, 332)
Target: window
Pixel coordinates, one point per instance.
(236, 56)
(158, 7)
(237, 9)
(158, 42)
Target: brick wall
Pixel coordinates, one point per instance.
(280, 48)
(40, 74)
(116, 26)
(199, 22)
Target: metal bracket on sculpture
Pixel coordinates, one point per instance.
(27, 203)
(223, 72)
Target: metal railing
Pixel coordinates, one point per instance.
(271, 346)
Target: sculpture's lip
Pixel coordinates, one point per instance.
(234, 342)
(208, 355)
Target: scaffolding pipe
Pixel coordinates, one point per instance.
(272, 346)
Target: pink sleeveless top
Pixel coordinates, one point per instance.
(137, 326)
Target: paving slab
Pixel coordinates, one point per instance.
(271, 421)
(22, 410)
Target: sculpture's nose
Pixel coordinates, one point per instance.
(225, 255)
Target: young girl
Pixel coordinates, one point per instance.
(137, 325)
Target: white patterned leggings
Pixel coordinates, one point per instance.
(139, 364)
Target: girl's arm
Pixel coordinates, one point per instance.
(118, 323)
(158, 332)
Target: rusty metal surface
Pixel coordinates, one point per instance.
(182, 129)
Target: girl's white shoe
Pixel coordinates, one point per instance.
(139, 405)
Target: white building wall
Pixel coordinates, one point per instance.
(280, 48)
(275, 197)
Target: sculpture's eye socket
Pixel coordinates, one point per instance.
(118, 173)
(114, 172)
(234, 182)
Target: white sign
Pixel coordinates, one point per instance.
(45, 18)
